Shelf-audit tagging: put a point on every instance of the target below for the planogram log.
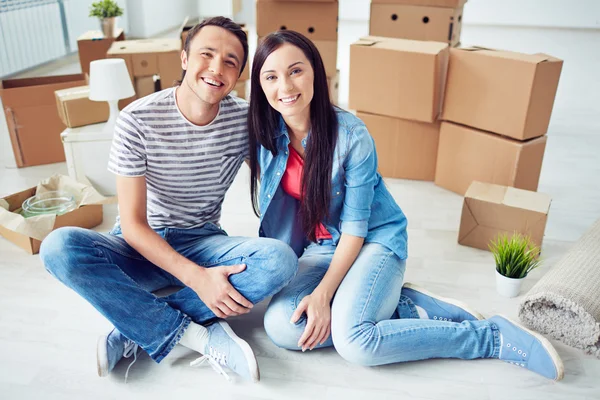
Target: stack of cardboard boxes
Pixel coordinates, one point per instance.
(315, 19)
(153, 64)
(396, 86)
(435, 20)
(496, 112)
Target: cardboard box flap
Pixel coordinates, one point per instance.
(413, 46)
(145, 46)
(98, 35)
(533, 201)
(77, 92)
(468, 222)
(45, 80)
(486, 192)
(530, 58)
(509, 196)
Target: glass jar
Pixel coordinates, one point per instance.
(57, 202)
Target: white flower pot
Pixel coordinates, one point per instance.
(508, 287)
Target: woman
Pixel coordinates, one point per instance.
(320, 193)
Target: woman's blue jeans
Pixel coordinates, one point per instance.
(118, 281)
(372, 323)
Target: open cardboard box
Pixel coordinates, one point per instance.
(489, 210)
(28, 233)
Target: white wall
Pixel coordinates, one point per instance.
(541, 13)
(150, 17)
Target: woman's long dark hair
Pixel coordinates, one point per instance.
(263, 124)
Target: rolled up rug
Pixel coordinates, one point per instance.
(565, 303)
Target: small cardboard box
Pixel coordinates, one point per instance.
(508, 93)
(405, 149)
(467, 154)
(398, 77)
(150, 57)
(328, 51)
(425, 3)
(28, 233)
(416, 22)
(33, 122)
(93, 46)
(76, 109)
(489, 210)
(333, 82)
(316, 21)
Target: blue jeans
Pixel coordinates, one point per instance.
(372, 323)
(118, 281)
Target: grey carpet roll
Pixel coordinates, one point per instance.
(565, 303)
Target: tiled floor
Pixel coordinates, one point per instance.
(48, 334)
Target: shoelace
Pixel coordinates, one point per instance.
(130, 348)
(215, 359)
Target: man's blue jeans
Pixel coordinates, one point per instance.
(118, 281)
(372, 323)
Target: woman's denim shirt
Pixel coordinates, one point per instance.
(360, 203)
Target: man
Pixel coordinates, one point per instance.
(175, 153)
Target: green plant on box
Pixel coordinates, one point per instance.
(515, 256)
(105, 9)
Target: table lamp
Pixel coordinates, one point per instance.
(110, 81)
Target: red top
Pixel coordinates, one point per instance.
(290, 182)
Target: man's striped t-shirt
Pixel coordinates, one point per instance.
(188, 168)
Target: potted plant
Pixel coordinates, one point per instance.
(515, 257)
(106, 11)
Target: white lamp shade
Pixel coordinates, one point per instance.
(109, 80)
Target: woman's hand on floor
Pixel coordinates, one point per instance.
(318, 320)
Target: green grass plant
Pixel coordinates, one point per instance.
(105, 9)
(515, 255)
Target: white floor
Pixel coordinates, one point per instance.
(48, 334)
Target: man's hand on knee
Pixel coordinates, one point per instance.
(214, 289)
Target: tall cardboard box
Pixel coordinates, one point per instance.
(333, 82)
(467, 154)
(489, 210)
(508, 93)
(397, 77)
(33, 122)
(416, 22)
(150, 57)
(426, 3)
(405, 149)
(93, 46)
(316, 21)
(328, 52)
(76, 109)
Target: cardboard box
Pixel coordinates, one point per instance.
(87, 216)
(405, 149)
(333, 82)
(76, 109)
(416, 22)
(504, 92)
(150, 57)
(398, 77)
(425, 3)
(145, 85)
(328, 51)
(33, 122)
(316, 21)
(93, 46)
(467, 154)
(489, 210)
(240, 88)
